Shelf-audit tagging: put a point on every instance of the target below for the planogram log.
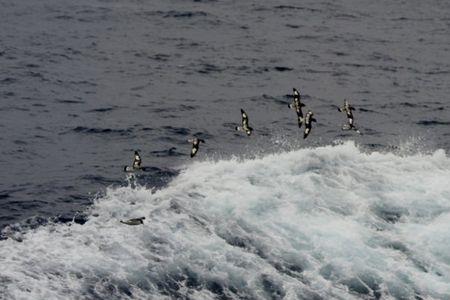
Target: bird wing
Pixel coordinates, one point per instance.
(244, 119)
(137, 160)
(194, 151)
(306, 132)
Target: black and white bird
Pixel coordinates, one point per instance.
(297, 106)
(136, 163)
(245, 127)
(347, 109)
(195, 144)
(308, 123)
(137, 221)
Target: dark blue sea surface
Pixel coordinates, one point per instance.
(83, 84)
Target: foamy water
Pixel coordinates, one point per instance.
(330, 222)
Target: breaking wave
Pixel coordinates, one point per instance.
(320, 223)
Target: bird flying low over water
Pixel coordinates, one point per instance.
(136, 163)
(308, 123)
(137, 221)
(297, 106)
(195, 144)
(347, 109)
(245, 127)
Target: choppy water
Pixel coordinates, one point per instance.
(321, 223)
(83, 84)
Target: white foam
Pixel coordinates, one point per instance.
(331, 222)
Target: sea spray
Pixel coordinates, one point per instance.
(325, 222)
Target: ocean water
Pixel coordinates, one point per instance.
(329, 222)
(272, 216)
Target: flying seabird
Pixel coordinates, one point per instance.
(308, 123)
(245, 127)
(136, 163)
(297, 106)
(347, 109)
(195, 144)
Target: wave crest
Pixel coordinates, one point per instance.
(325, 222)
